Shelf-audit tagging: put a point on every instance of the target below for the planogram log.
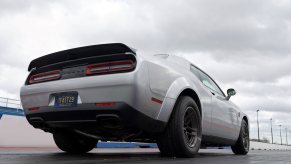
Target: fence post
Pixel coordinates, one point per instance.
(6, 102)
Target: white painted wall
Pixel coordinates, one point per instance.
(15, 131)
(263, 146)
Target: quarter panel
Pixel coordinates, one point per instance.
(161, 78)
(174, 91)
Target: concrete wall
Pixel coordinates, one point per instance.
(17, 132)
(266, 146)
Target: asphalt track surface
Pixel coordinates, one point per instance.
(136, 155)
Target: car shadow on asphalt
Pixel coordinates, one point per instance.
(126, 157)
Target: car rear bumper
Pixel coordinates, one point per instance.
(119, 116)
(107, 88)
(132, 88)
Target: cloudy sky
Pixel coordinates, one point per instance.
(244, 44)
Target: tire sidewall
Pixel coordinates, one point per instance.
(245, 125)
(181, 107)
(239, 148)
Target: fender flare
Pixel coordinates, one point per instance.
(174, 91)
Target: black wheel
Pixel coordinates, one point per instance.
(242, 145)
(73, 143)
(182, 136)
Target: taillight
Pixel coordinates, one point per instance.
(46, 76)
(105, 104)
(157, 100)
(34, 108)
(110, 67)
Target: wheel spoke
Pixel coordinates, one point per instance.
(193, 133)
(185, 131)
(245, 135)
(191, 127)
(187, 119)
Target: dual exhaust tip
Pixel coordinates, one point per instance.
(106, 121)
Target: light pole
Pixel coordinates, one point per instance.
(272, 130)
(286, 136)
(281, 134)
(258, 125)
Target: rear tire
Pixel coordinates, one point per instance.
(243, 143)
(182, 136)
(73, 143)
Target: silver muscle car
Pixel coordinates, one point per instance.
(109, 92)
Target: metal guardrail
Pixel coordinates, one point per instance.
(11, 103)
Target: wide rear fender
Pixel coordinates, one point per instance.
(174, 91)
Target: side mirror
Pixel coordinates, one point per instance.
(230, 92)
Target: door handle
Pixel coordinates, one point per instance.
(213, 93)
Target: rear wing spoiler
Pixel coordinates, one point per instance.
(81, 52)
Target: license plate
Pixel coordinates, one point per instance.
(66, 100)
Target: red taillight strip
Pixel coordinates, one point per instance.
(108, 67)
(120, 63)
(34, 108)
(157, 100)
(56, 74)
(104, 104)
(105, 67)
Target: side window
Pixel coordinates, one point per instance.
(208, 82)
(195, 71)
(217, 89)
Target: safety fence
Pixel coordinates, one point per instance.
(10, 107)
